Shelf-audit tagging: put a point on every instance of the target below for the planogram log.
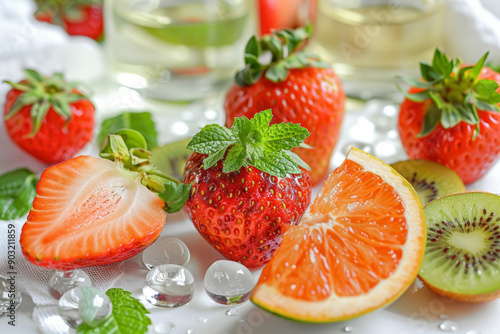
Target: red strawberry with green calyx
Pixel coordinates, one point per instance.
(77, 17)
(247, 187)
(48, 117)
(92, 211)
(297, 87)
(451, 116)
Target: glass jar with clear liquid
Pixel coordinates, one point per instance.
(370, 42)
(177, 50)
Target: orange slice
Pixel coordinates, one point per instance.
(357, 249)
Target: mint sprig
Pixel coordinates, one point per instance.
(456, 92)
(128, 316)
(275, 55)
(252, 142)
(17, 191)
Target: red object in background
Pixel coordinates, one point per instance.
(77, 17)
(283, 14)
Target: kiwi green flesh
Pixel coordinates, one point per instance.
(171, 158)
(462, 254)
(429, 179)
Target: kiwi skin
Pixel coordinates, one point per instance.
(461, 297)
(429, 179)
(457, 296)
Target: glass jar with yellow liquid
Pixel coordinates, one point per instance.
(369, 42)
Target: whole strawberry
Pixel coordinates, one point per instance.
(451, 116)
(297, 87)
(47, 117)
(243, 201)
(77, 17)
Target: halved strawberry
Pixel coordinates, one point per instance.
(89, 212)
(92, 211)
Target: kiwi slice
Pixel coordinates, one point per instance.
(429, 179)
(171, 158)
(462, 256)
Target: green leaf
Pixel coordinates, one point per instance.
(431, 120)
(468, 113)
(428, 72)
(33, 76)
(253, 47)
(277, 163)
(476, 132)
(235, 158)
(277, 73)
(241, 127)
(23, 100)
(485, 105)
(261, 120)
(38, 112)
(211, 139)
(485, 88)
(174, 196)
(417, 97)
(474, 72)
(19, 86)
(450, 116)
(128, 316)
(213, 158)
(17, 191)
(415, 82)
(141, 122)
(298, 160)
(132, 138)
(284, 136)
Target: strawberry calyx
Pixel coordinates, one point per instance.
(252, 142)
(275, 55)
(456, 92)
(69, 9)
(128, 149)
(42, 93)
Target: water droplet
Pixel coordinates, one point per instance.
(190, 331)
(448, 326)
(166, 327)
(473, 332)
(168, 285)
(166, 250)
(84, 305)
(203, 320)
(6, 291)
(228, 282)
(348, 329)
(232, 312)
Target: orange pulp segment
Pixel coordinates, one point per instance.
(357, 249)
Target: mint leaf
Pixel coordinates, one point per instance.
(277, 163)
(284, 136)
(235, 158)
(17, 191)
(212, 138)
(128, 316)
(142, 122)
(174, 196)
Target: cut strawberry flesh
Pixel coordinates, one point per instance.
(90, 212)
